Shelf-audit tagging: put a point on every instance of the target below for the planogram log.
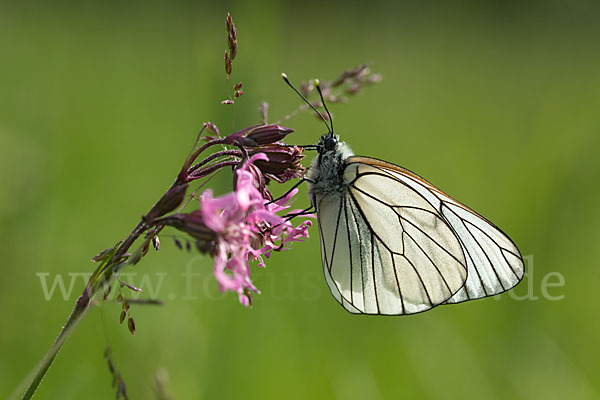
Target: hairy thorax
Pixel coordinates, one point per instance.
(326, 174)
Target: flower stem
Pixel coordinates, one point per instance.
(80, 309)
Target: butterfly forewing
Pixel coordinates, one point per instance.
(493, 261)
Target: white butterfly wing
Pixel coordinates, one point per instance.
(385, 248)
(494, 262)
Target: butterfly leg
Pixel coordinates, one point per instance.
(306, 211)
(290, 190)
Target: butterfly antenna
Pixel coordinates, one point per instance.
(318, 86)
(285, 78)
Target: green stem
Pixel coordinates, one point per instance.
(80, 309)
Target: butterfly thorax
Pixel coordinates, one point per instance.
(326, 174)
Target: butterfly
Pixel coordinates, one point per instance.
(394, 244)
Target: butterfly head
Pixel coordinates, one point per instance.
(328, 142)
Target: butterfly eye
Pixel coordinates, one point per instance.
(330, 143)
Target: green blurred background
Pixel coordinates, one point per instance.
(497, 102)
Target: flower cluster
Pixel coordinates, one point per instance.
(245, 225)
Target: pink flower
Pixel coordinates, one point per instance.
(247, 228)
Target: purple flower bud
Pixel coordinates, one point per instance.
(193, 224)
(122, 317)
(169, 202)
(283, 162)
(259, 135)
(267, 134)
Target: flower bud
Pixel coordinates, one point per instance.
(267, 134)
(192, 224)
(169, 202)
(283, 162)
(259, 135)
